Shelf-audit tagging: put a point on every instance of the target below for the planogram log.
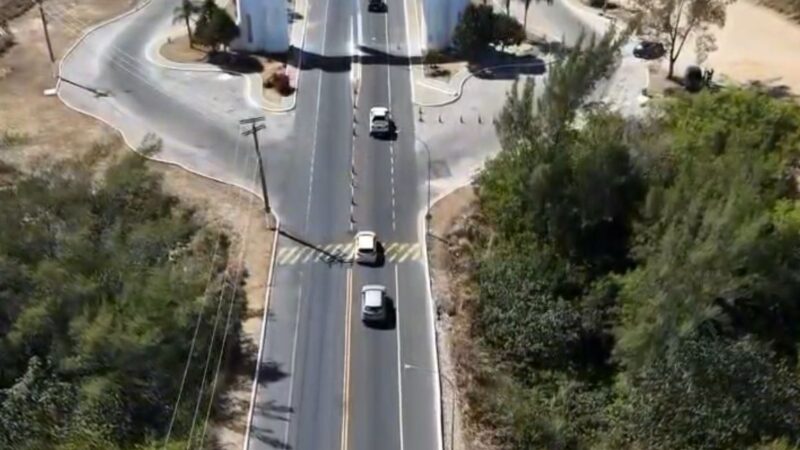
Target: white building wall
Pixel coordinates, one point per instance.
(441, 18)
(263, 25)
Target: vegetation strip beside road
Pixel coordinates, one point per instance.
(30, 151)
(631, 284)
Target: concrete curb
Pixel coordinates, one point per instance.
(154, 56)
(429, 287)
(460, 91)
(267, 296)
(125, 138)
(423, 227)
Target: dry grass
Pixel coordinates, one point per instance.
(11, 9)
(459, 358)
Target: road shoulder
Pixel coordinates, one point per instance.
(447, 215)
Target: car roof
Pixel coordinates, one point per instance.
(379, 110)
(373, 295)
(365, 239)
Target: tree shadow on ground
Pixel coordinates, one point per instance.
(270, 372)
(267, 437)
(235, 62)
(772, 88)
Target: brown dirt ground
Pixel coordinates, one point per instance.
(179, 51)
(54, 131)
(447, 215)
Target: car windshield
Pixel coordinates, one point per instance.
(373, 308)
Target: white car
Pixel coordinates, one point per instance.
(366, 247)
(380, 121)
(373, 304)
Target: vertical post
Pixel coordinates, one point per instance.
(46, 32)
(428, 154)
(254, 129)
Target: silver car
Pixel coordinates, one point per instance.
(373, 304)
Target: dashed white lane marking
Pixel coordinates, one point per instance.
(316, 120)
(294, 359)
(394, 209)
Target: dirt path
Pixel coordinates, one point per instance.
(42, 127)
(759, 44)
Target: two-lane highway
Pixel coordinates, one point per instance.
(391, 374)
(327, 381)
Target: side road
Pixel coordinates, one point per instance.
(147, 103)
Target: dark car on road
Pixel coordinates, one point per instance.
(649, 50)
(376, 6)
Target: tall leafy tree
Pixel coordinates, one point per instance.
(672, 22)
(710, 393)
(215, 28)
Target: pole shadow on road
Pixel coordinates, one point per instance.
(329, 257)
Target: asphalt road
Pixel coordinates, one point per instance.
(379, 391)
(326, 381)
(299, 397)
(392, 371)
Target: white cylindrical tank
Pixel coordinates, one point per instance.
(441, 18)
(263, 25)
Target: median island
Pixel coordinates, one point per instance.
(209, 33)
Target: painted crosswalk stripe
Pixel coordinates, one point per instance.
(310, 255)
(298, 256)
(389, 251)
(286, 254)
(407, 251)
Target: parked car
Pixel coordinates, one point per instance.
(649, 50)
(374, 308)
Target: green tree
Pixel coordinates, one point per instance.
(184, 13)
(507, 31)
(714, 394)
(714, 248)
(106, 281)
(215, 27)
(671, 22)
(475, 30)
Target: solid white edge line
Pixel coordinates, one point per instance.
(294, 361)
(399, 362)
(423, 230)
(267, 295)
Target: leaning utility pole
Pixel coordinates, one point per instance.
(254, 129)
(46, 33)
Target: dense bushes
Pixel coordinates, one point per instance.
(101, 284)
(639, 279)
